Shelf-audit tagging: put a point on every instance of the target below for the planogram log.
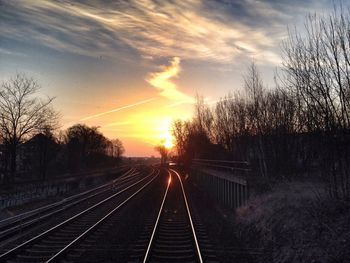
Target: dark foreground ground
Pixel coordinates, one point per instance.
(292, 222)
(298, 222)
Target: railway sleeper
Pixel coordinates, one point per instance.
(64, 238)
(174, 234)
(54, 242)
(174, 226)
(175, 251)
(170, 247)
(32, 258)
(44, 246)
(66, 234)
(174, 242)
(172, 258)
(182, 236)
(144, 236)
(35, 251)
(140, 244)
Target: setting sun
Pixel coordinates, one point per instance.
(168, 140)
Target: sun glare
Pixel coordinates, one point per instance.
(164, 130)
(168, 140)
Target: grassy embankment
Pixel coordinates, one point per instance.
(298, 222)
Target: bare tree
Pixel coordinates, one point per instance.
(164, 152)
(203, 118)
(180, 134)
(255, 89)
(230, 123)
(23, 114)
(317, 71)
(116, 148)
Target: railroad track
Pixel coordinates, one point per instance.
(19, 223)
(53, 244)
(173, 236)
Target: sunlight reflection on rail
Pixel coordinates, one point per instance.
(169, 180)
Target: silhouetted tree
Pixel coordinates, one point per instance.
(231, 122)
(203, 119)
(179, 132)
(257, 111)
(84, 142)
(301, 126)
(115, 148)
(194, 138)
(317, 72)
(22, 114)
(41, 150)
(164, 153)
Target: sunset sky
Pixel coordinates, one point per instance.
(132, 67)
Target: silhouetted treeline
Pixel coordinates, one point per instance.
(29, 148)
(300, 128)
(80, 148)
(87, 147)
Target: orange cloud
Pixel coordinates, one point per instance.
(162, 81)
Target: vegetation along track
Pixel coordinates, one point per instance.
(174, 236)
(53, 244)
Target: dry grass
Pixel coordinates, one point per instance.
(298, 223)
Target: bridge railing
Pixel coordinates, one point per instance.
(225, 180)
(239, 168)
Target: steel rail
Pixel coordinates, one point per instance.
(65, 206)
(190, 218)
(54, 257)
(157, 221)
(22, 216)
(11, 251)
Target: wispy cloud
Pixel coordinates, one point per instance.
(117, 109)
(10, 52)
(217, 31)
(117, 123)
(162, 81)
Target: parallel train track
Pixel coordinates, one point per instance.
(19, 223)
(176, 235)
(174, 232)
(53, 244)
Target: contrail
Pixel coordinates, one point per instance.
(117, 109)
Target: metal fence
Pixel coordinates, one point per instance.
(226, 181)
